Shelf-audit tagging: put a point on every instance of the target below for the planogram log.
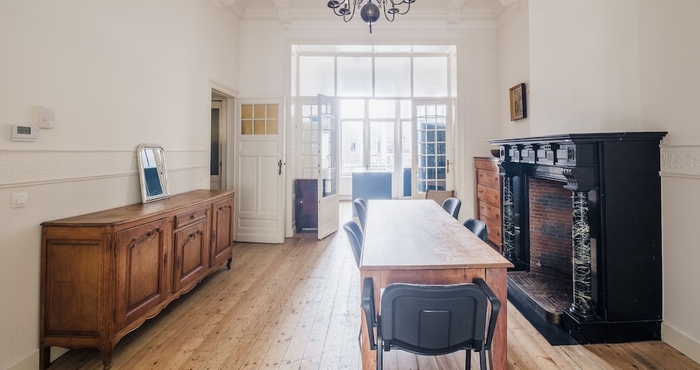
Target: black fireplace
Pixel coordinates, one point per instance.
(595, 267)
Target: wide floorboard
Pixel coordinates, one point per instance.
(296, 306)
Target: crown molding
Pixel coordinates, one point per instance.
(680, 161)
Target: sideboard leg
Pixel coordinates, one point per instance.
(44, 357)
(228, 264)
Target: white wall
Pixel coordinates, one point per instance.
(584, 66)
(118, 74)
(265, 57)
(669, 53)
(513, 67)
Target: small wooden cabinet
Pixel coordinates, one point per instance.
(103, 274)
(488, 197)
(306, 208)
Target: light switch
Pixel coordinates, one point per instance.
(19, 200)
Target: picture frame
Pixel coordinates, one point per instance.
(518, 104)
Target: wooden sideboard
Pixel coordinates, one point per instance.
(103, 274)
(488, 197)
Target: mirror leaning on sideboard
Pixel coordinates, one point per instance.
(152, 172)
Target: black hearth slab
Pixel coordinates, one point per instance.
(552, 333)
(548, 295)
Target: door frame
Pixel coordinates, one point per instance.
(228, 98)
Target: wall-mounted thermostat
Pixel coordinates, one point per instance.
(25, 133)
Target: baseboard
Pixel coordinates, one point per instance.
(681, 342)
(31, 362)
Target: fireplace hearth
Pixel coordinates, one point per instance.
(582, 226)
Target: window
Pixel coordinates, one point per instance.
(377, 87)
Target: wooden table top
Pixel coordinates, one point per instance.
(419, 234)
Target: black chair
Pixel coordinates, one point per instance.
(478, 227)
(352, 229)
(361, 210)
(432, 319)
(452, 206)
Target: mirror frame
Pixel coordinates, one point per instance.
(161, 171)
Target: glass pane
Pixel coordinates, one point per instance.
(430, 76)
(354, 76)
(406, 109)
(246, 111)
(247, 127)
(329, 155)
(431, 135)
(309, 141)
(259, 127)
(406, 144)
(272, 111)
(316, 76)
(381, 138)
(352, 108)
(259, 111)
(272, 127)
(382, 108)
(393, 76)
(351, 145)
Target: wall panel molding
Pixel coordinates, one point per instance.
(680, 161)
(35, 167)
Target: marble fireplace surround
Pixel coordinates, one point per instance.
(616, 226)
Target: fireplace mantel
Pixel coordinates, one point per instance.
(616, 233)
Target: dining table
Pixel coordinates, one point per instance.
(416, 241)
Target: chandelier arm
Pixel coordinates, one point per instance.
(395, 5)
(386, 14)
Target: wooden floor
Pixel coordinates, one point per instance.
(296, 306)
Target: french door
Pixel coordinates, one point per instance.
(328, 171)
(432, 126)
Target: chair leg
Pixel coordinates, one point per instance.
(380, 357)
(482, 358)
(468, 360)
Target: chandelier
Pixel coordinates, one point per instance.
(370, 12)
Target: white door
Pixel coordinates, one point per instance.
(259, 171)
(328, 175)
(432, 128)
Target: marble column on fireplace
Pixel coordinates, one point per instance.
(508, 219)
(582, 305)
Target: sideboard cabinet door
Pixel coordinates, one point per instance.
(191, 254)
(222, 232)
(142, 280)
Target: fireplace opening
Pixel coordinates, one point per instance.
(547, 282)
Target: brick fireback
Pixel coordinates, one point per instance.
(550, 227)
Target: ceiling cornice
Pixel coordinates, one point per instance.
(223, 3)
(453, 12)
(284, 12)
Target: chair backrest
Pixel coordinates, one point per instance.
(352, 229)
(433, 319)
(361, 210)
(478, 227)
(452, 206)
(439, 196)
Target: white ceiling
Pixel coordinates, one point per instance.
(288, 10)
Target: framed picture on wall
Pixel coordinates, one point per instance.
(518, 107)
